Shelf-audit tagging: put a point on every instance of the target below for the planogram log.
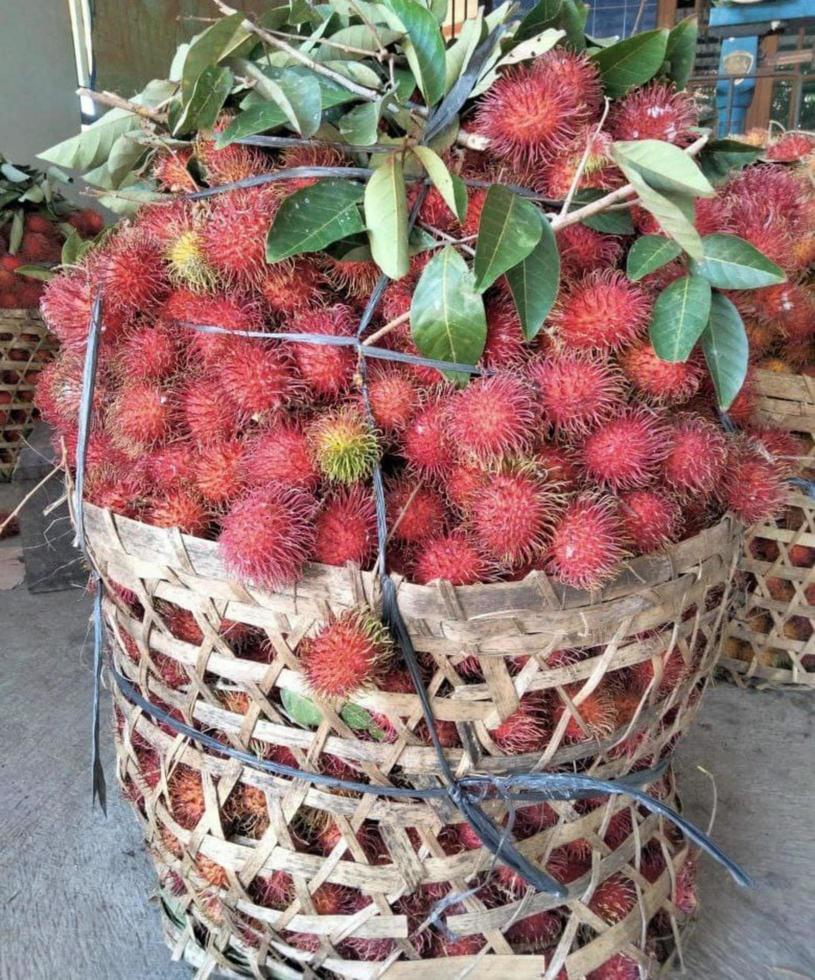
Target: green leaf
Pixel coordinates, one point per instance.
(360, 126)
(299, 99)
(631, 62)
(125, 155)
(680, 50)
(207, 50)
(39, 272)
(208, 97)
(572, 19)
(671, 213)
(361, 36)
(680, 314)
(720, 157)
(386, 217)
(447, 316)
(71, 248)
(458, 55)
(611, 222)
(15, 237)
(534, 282)
(300, 709)
(314, 217)
(14, 174)
(732, 263)
(509, 228)
(425, 48)
(725, 345)
(360, 720)
(648, 254)
(260, 118)
(451, 187)
(664, 167)
(543, 15)
(534, 47)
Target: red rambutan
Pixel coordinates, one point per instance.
(453, 558)
(583, 250)
(504, 347)
(790, 148)
(312, 155)
(696, 456)
(460, 945)
(218, 471)
(132, 274)
(232, 163)
(512, 516)
(655, 112)
(460, 483)
(394, 399)
(274, 891)
(142, 415)
(171, 172)
(577, 390)
(753, 487)
(535, 932)
(346, 655)
(291, 287)
(559, 464)
(415, 512)
(114, 488)
(426, 444)
(660, 382)
(526, 730)
(149, 353)
(186, 793)
(207, 411)
(356, 277)
(587, 543)
(617, 967)
(66, 308)
(218, 310)
(650, 518)
(491, 418)
(783, 446)
(327, 370)
(627, 451)
(345, 529)
(280, 453)
(182, 509)
(258, 376)
(233, 239)
(268, 535)
(665, 671)
(39, 248)
(602, 311)
(613, 898)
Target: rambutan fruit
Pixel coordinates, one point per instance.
(435, 213)
(587, 543)
(525, 730)
(617, 967)
(414, 512)
(790, 148)
(258, 376)
(280, 453)
(39, 248)
(453, 558)
(346, 655)
(491, 418)
(512, 516)
(577, 390)
(142, 415)
(132, 274)
(170, 671)
(801, 556)
(460, 483)
(475, 205)
(182, 509)
(311, 155)
(779, 589)
(396, 301)
(651, 519)
(218, 472)
(186, 796)
(583, 250)
(181, 623)
(233, 239)
(246, 809)
(426, 444)
(187, 265)
(394, 399)
(207, 411)
(559, 464)
(229, 312)
(654, 112)
(40, 223)
(613, 898)
(626, 452)
(555, 180)
(345, 528)
(664, 672)
(149, 353)
(268, 535)
(327, 370)
(684, 896)
(697, 452)
(578, 75)
(602, 311)
(328, 899)
(231, 164)
(783, 446)
(66, 308)
(355, 277)
(504, 347)
(460, 945)
(660, 382)
(170, 169)
(274, 891)
(753, 487)
(343, 445)
(535, 932)
(291, 287)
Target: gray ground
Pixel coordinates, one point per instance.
(75, 886)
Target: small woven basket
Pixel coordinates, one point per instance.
(661, 619)
(25, 346)
(771, 640)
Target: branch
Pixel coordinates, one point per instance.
(603, 203)
(391, 325)
(584, 160)
(117, 102)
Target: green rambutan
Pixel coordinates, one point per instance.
(587, 543)
(491, 418)
(577, 390)
(627, 451)
(187, 265)
(343, 445)
(346, 655)
(268, 535)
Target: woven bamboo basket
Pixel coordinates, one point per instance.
(663, 615)
(771, 641)
(25, 345)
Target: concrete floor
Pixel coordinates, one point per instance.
(75, 885)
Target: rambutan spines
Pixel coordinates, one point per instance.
(233, 240)
(512, 516)
(415, 512)
(394, 399)
(696, 457)
(492, 418)
(343, 445)
(454, 558)
(280, 454)
(142, 416)
(426, 445)
(258, 376)
(587, 543)
(753, 487)
(655, 112)
(208, 413)
(660, 382)
(268, 535)
(651, 519)
(327, 370)
(577, 390)
(583, 250)
(345, 528)
(346, 655)
(627, 451)
(602, 311)
(182, 509)
(292, 287)
(150, 353)
(526, 730)
(132, 273)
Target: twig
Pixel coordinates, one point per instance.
(28, 497)
(449, 239)
(117, 102)
(584, 160)
(392, 325)
(382, 51)
(369, 94)
(350, 49)
(603, 203)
